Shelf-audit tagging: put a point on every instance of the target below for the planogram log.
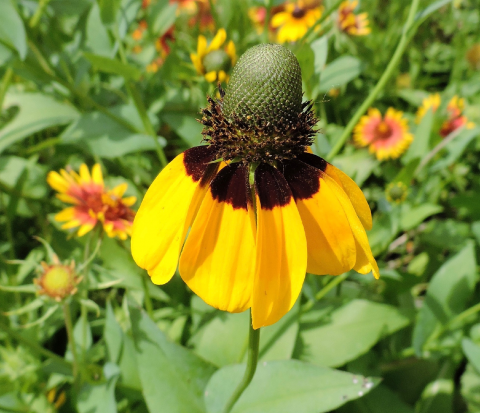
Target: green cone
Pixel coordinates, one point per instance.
(266, 86)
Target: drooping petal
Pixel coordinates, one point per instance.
(330, 242)
(218, 259)
(217, 41)
(364, 253)
(167, 211)
(281, 256)
(349, 186)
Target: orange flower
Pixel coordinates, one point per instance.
(351, 23)
(456, 118)
(387, 136)
(93, 203)
(138, 32)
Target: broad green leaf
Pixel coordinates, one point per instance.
(320, 50)
(412, 96)
(421, 139)
(306, 60)
(276, 341)
(97, 38)
(406, 174)
(108, 65)
(12, 31)
(113, 335)
(437, 396)
(82, 335)
(36, 112)
(339, 72)
(100, 398)
(186, 127)
(105, 137)
(412, 217)
(472, 351)
(286, 387)
(108, 10)
(357, 165)
(173, 379)
(450, 288)
(376, 402)
(162, 17)
(470, 383)
(350, 331)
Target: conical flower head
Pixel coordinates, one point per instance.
(266, 85)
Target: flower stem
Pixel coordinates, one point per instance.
(407, 33)
(252, 358)
(71, 339)
(148, 298)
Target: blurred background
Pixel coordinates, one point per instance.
(96, 96)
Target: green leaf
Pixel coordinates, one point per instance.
(162, 17)
(105, 137)
(173, 379)
(340, 72)
(36, 112)
(421, 140)
(276, 341)
(113, 335)
(109, 10)
(472, 351)
(12, 30)
(412, 217)
(320, 51)
(186, 127)
(97, 38)
(306, 58)
(470, 384)
(450, 288)
(100, 398)
(407, 172)
(108, 65)
(350, 331)
(286, 387)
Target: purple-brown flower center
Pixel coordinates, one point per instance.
(298, 12)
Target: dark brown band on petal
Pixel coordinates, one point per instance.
(271, 187)
(231, 186)
(197, 160)
(313, 160)
(303, 179)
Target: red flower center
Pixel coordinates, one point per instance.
(383, 131)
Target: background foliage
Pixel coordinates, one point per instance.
(76, 88)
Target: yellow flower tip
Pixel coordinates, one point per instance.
(58, 281)
(351, 23)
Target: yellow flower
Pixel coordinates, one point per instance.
(58, 281)
(387, 137)
(263, 209)
(396, 192)
(294, 22)
(351, 23)
(431, 101)
(212, 61)
(93, 203)
(456, 118)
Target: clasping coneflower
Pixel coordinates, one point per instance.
(262, 209)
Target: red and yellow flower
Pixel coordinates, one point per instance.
(351, 23)
(93, 203)
(456, 117)
(212, 61)
(387, 137)
(295, 20)
(430, 102)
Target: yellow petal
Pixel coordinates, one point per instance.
(85, 173)
(201, 46)
(119, 190)
(222, 76)
(129, 200)
(67, 198)
(330, 242)
(218, 259)
(97, 174)
(197, 63)
(57, 182)
(279, 18)
(211, 76)
(281, 258)
(66, 215)
(85, 228)
(355, 194)
(217, 41)
(231, 51)
(355, 224)
(166, 212)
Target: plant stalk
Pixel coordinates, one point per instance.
(402, 44)
(71, 339)
(252, 359)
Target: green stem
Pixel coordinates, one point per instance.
(42, 5)
(324, 291)
(34, 346)
(71, 339)
(252, 359)
(402, 44)
(148, 299)
(266, 23)
(322, 18)
(7, 78)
